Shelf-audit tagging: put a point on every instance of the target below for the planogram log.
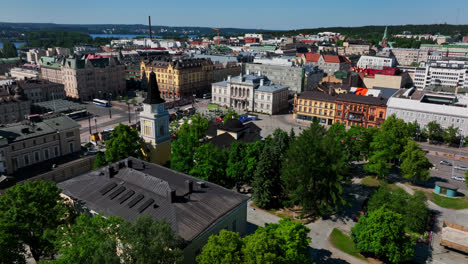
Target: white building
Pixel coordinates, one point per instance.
(417, 105)
(22, 73)
(250, 93)
(375, 62)
(448, 72)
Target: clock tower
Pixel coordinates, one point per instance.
(154, 123)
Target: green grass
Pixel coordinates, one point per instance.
(452, 203)
(344, 243)
(373, 182)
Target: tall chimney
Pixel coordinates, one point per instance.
(149, 23)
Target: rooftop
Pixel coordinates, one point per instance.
(132, 187)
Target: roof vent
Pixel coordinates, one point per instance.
(189, 186)
(201, 184)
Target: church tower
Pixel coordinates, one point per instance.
(154, 123)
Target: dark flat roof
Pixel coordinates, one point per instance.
(190, 215)
(316, 95)
(360, 99)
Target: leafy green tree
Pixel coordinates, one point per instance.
(99, 161)
(451, 135)
(252, 157)
(86, 239)
(466, 178)
(133, 101)
(149, 241)
(183, 149)
(314, 170)
(378, 164)
(33, 210)
(382, 232)
(434, 131)
(11, 246)
(292, 134)
(230, 114)
(393, 137)
(366, 140)
(415, 165)
(210, 165)
(224, 248)
(124, 142)
(414, 130)
(9, 50)
(416, 212)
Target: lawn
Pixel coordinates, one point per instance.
(373, 182)
(452, 203)
(344, 243)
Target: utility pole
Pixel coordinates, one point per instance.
(129, 120)
(89, 124)
(110, 105)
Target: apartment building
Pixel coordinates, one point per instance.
(328, 63)
(458, 50)
(180, 77)
(354, 47)
(423, 107)
(359, 110)
(86, 78)
(297, 78)
(409, 56)
(14, 104)
(447, 72)
(27, 143)
(39, 90)
(250, 93)
(315, 105)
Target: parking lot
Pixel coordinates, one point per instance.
(444, 173)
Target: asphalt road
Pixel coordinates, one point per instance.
(444, 173)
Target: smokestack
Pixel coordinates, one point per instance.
(149, 23)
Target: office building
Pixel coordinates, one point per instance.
(447, 72)
(375, 62)
(297, 78)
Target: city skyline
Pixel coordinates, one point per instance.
(248, 15)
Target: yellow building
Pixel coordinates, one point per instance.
(315, 105)
(179, 78)
(154, 121)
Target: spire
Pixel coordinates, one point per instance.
(383, 43)
(385, 33)
(153, 96)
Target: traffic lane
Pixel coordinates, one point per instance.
(444, 172)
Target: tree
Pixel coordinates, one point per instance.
(237, 164)
(416, 212)
(451, 135)
(314, 170)
(89, 238)
(11, 248)
(382, 232)
(33, 210)
(415, 165)
(434, 131)
(414, 130)
(99, 161)
(224, 248)
(124, 142)
(149, 241)
(210, 165)
(262, 184)
(283, 243)
(252, 157)
(466, 178)
(9, 50)
(183, 149)
(230, 114)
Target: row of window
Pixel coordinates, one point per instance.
(428, 116)
(309, 103)
(315, 111)
(35, 157)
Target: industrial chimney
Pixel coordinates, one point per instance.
(149, 23)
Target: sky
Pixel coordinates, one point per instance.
(256, 14)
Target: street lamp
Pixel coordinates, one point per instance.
(128, 106)
(110, 106)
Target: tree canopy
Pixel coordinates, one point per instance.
(382, 232)
(415, 165)
(8, 50)
(314, 169)
(282, 243)
(33, 210)
(124, 142)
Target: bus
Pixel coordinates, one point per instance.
(100, 102)
(78, 114)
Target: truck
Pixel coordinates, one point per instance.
(454, 236)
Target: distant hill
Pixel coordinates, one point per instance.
(10, 29)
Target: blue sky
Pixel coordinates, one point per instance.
(261, 14)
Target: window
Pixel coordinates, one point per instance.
(380, 114)
(339, 106)
(161, 131)
(56, 151)
(26, 159)
(46, 154)
(71, 146)
(37, 158)
(69, 134)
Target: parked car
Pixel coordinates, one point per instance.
(463, 168)
(458, 178)
(446, 163)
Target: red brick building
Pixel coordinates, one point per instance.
(358, 110)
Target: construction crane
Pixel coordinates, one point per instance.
(217, 29)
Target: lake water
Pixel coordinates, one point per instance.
(17, 44)
(120, 36)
